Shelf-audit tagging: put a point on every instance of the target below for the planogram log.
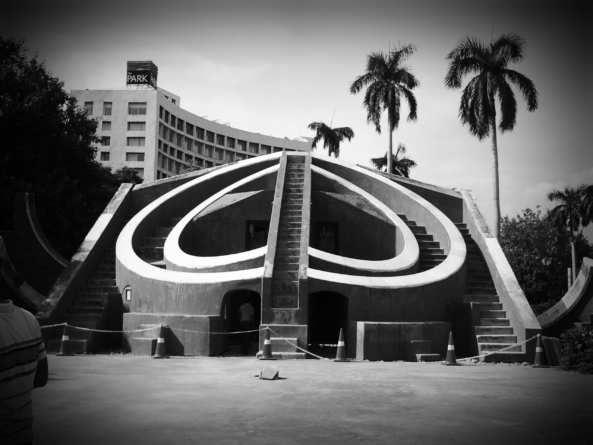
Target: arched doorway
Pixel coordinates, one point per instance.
(231, 303)
(328, 312)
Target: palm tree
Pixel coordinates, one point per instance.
(400, 166)
(332, 137)
(477, 108)
(567, 215)
(387, 79)
(587, 205)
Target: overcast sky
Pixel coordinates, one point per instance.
(273, 67)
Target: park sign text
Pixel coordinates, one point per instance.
(142, 73)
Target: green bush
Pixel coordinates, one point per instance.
(577, 349)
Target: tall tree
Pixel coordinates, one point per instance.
(478, 108)
(401, 166)
(332, 137)
(48, 147)
(587, 205)
(387, 79)
(567, 215)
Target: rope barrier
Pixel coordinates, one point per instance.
(217, 333)
(301, 349)
(500, 350)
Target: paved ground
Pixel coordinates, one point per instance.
(122, 399)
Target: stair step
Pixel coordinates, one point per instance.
(281, 344)
(154, 241)
(288, 244)
(101, 289)
(285, 288)
(423, 244)
(100, 282)
(432, 256)
(418, 230)
(493, 330)
(493, 314)
(480, 290)
(489, 338)
(424, 237)
(484, 347)
(478, 298)
(494, 322)
(286, 275)
(281, 267)
(88, 304)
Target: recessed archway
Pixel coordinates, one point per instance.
(231, 315)
(327, 313)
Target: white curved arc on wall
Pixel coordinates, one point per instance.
(175, 256)
(126, 255)
(406, 259)
(451, 265)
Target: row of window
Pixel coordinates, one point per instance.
(134, 108)
(203, 150)
(130, 157)
(131, 142)
(132, 126)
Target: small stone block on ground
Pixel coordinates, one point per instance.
(143, 346)
(428, 357)
(269, 374)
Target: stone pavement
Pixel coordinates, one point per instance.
(123, 399)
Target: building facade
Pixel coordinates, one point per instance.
(148, 131)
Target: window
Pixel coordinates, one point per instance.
(105, 156)
(199, 133)
(136, 142)
(277, 149)
(173, 121)
(228, 156)
(266, 149)
(179, 154)
(189, 129)
(198, 147)
(230, 142)
(160, 145)
(220, 154)
(242, 145)
(187, 144)
(239, 157)
(161, 112)
(106, 126)
(208, 164)
(140, 171)
(209, 136)
(106, 108)
(136, 126)
(189, 159)
(105, 140)
(171, 135)
(208, 151)
(137, 108)
(166, 116)
(180, 124)
(252, 147)
(135, 157)
(220, 140)
(171, 165)
(179, 140)
(165, 133)
(88, 108)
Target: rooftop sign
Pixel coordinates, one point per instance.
(142, 73)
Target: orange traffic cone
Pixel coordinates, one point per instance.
(65, 349)
(450, 361)
(341, 352)
(161, 350)
(267, 352)
(540, 361)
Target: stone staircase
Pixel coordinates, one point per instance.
(90, 308)
(285, 284)
(431, 254)
(152, 250)
(494, 331)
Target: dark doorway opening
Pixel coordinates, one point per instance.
(231, 304)
(328, 312)
(327, 237)
(256, 234)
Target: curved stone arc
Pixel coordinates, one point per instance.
(406, 259)
(571, 299)
(452, 264)
(127, 257)
(177, 258)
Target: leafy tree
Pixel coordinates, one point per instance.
(478, 108)
(586, 209)
(566, 215)
(48, 147)
(332, 137)
(401, 166)
(387, 79)
(127, 175)
(539, 254)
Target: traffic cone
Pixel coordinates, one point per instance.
(65, 349)
(540, 361)
(341, 352)
(267, 352)
(450, 361)
(161, 350)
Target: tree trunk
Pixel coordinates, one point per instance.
(495, 185)
(390, 151)
(574, 260)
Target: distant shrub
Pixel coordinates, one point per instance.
(540, 308)
(577, 350)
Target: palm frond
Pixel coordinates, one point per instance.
(526, 87)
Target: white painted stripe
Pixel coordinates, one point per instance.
(65, 337)
(450, 348)
(267, 342)
(341, 343)
(161, 340)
